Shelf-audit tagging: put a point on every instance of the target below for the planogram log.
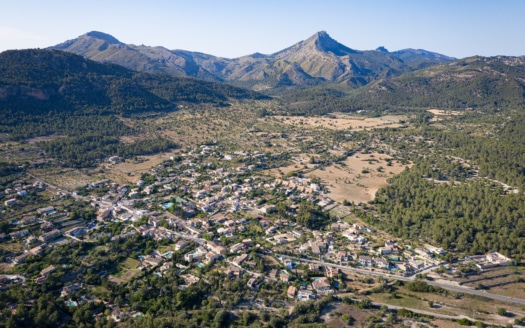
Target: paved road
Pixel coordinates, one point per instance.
(458, 289)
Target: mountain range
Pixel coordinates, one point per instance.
(318, 60)
(315, 76)
(38, 81)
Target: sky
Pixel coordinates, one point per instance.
(228, 28)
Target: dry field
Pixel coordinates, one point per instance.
(64, 178)
(342, 122)
(441, 112)
(130, 171)
(45, 138)
(290, 168)
(351, 183)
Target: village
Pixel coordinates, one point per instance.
(223, 211)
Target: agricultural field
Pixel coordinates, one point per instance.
(359, 177)
(63, 178)
(127, 270)
(343, 122)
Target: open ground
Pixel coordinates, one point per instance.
(359, 177)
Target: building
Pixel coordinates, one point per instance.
(47, 271)
(46, 210)
(365, 261)
(321, 284)
(252, 283)
(152, 260)
(237, 248)
(498, 258)
(331, 272)
(10, 202)
(180, 245)
(19, 234)
(305, 295)
(50, 236)
(291, 292)
(221, 250)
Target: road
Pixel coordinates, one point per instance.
(13, 277)
(458, 289)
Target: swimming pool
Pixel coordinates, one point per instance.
(200, 265)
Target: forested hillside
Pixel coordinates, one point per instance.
(49, 92)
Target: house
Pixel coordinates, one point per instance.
(498, 258)
(46, 210)
(115, 159)
(316, 249)
(19, 234)
(305, 295)
(211, 256)
(50, 236)
(100, 183)
(219, 249)
(386, 250)
(152, 260)
(27, 220)
(237, 248)
(180, 245)
(402, 267)
(252, 283)
(424, 253)
(268, 209)
(47, 271)
(10, 202)
(314, 267)
(381, 262)
(341, 256)
(75, 232)
(117, 314)
(291, 292)
(284, 276)
(239, 259)
(365, 261)
(233, 271)
(273, 273)
(321, 284)
(21, 258)
(416, 264)
(38, 249)
(331, 272)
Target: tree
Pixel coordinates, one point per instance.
(221, 318)
(502, 311)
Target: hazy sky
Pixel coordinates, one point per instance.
(228, 28)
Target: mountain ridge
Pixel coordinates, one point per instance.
(316, 60)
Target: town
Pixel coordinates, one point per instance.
(211, 211)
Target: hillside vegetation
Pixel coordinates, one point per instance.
(50, 92)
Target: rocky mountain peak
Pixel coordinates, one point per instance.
(103, 36)
(323, 42)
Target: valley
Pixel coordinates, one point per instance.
(130, 198)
